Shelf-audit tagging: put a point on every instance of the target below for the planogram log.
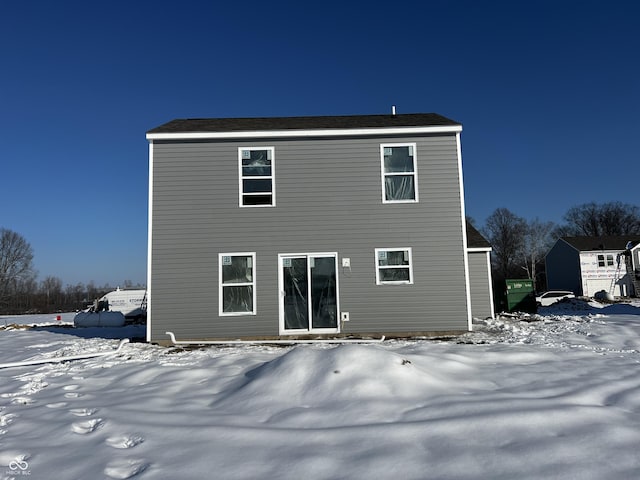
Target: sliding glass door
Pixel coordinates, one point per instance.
(308, 293)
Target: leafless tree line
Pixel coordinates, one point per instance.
(21, 292)
(520, 245)
(49, 295)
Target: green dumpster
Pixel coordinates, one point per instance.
(519, 295)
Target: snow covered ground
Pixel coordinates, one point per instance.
(555, 396)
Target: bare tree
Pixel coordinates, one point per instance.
(51, 287)
(617, 218)
(537, 240)
(16, 256)
(76, 295)
(23, 296)
(505, 231)
(592, 219)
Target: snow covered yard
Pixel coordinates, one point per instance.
(556, 396)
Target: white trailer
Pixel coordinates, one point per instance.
(132, 303)
(113, 309)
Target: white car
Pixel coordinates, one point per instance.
(548, 298)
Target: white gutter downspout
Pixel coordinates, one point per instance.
(28, 363)
(267, 342)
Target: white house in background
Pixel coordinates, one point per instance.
(586, 265)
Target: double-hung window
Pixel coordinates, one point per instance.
(605, 260)
(256, 166)
(237, 294)
(399, 172)
(393, 266)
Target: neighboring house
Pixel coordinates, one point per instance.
(479, 255)
(309, 226)
(586, 265)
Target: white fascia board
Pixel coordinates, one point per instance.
(479, 249)
(304, 133)
(603, 250)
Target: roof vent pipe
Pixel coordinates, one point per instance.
(393, 110)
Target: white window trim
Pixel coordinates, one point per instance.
(220, 285)
(414, 173)
(271, 177)
(410, 266)
(283, 331)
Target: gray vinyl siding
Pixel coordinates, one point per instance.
(328, 199)
(563, 268)
(479, 285)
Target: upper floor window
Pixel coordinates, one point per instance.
(393, 265)
(399, 172)
(256, 177)
(605, 260)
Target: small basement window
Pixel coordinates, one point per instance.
(256, 168)
(399, 173)
(393, 266)
(237, 293)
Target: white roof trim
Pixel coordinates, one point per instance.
(479, 249)
(328, 132)
(603, 250)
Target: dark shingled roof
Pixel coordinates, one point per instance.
(475, 238)
(189, 125)
(585, 243)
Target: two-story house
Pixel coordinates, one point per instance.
(586, 265)
(267, 228)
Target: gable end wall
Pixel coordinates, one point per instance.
(563, 268)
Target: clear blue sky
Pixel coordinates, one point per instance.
(548, 93)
